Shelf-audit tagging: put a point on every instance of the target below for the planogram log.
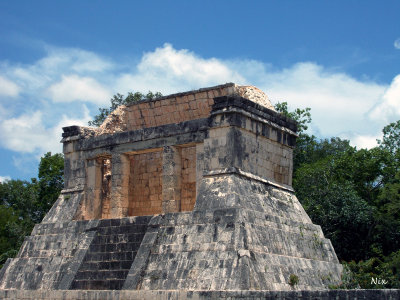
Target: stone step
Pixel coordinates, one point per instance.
(99, 247)
(102, 275)
(106, 265)
(110, 255)
(97, 284)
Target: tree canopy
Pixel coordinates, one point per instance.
(24, 203)
(354, 194)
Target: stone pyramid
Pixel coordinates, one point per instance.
(190, 191)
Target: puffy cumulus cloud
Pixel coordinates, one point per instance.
(338, 102)
(65, 78)
(25, 133)
(35, 79)
(169, 70)
(4, 178)
(75, 88)
(8, 88)
(388, 108)
(397, 43)
(42, 92)
(28, 134)
(362, 141)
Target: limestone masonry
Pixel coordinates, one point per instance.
(190, 191)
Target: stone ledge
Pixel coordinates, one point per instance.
(197, 126)
(253, 116)
(254, 108)
(388, 294)
(73, 190)
(234, 170)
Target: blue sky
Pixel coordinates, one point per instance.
(61, 60)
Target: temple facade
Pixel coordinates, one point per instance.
(191, 191)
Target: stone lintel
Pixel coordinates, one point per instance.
(181, 133)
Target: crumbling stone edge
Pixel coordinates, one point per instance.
(387, 294)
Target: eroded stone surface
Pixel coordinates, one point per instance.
(191, 191)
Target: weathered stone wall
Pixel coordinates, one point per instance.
(204, 295)
(171, 110)
(266, 158)
(145, 194)
(249, 139)
(177, 108)
(235, 133)
(249, 152)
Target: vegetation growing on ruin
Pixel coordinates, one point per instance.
(293, 280)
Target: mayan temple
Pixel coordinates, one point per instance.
(182, 196)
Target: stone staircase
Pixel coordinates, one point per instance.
(111, 254)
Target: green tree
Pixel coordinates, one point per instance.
(21, 197)
(17, 212)
(355, 196)
(118, 100)
(304, 143)
(387, 231)
(391, 137)
(334, 204)
(23, 203)
(51, 182)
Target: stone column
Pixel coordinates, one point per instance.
(119, 185)
(199, 165)
(91, 208)
(171, 179)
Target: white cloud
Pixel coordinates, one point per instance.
(338, 102)
(4, 178)
(25, 133)
(75, 88)
(169, 71)
(50, 92)
(77, 60)
(397, 43)
(363, 141)
(8, 88)
(388, 108)
(37, 77)
(28, 134)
